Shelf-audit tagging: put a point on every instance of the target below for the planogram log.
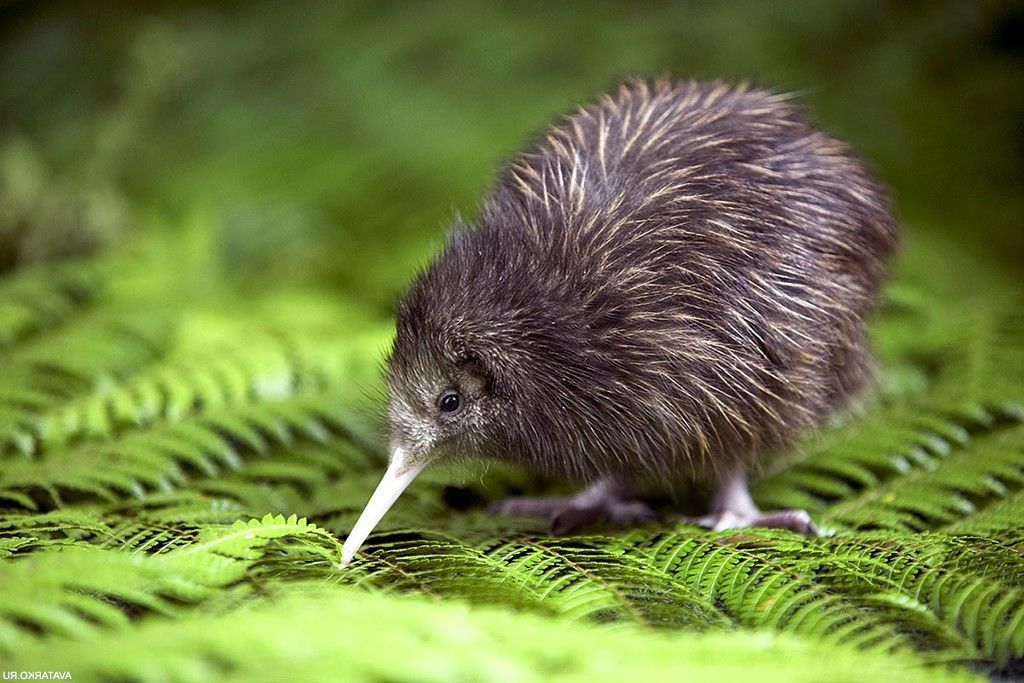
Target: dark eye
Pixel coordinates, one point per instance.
(449, 402)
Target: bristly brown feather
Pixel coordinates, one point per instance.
(668, 282)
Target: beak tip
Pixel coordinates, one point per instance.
(346, 558)
(397, 477)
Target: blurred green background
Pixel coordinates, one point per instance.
(329, 144)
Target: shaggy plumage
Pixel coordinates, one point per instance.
(671, 280)
(669, 283)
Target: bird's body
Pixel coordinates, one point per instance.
(668, 284)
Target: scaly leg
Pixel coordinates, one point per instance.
(733, 508)
(606, 500)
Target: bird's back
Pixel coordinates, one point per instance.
(713, 242)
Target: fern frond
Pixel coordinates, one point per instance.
(920, 471)
(223, 555)
(984, 607)
(955, 487)
(574, 578)
(169, 454)
(248, 368)
(58, 527)
(76, 359)
(77, 591)
(44, 297)
(745, 577)
(298, 638)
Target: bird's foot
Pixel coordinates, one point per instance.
(794, 520)
(603, 501)
(733, 508)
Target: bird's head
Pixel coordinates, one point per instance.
(452, 379)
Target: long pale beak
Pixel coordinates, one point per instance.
(398, 476)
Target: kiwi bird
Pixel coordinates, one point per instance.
(667, 285)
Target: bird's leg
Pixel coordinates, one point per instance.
(605, 500)
(733, 508)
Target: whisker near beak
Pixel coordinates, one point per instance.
(396, 479)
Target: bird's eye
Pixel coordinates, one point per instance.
(449, 402)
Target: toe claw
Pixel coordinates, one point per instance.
(798, 521)
(794, 520)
